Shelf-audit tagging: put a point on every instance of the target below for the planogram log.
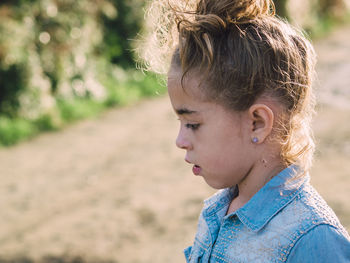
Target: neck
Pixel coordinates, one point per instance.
(256, 178)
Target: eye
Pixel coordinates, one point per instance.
(192, 126)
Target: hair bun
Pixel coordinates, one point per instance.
(214, 16)
(170, 22)
(235, 11)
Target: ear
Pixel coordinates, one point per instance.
(261, 118)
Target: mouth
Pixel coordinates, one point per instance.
(196, 169)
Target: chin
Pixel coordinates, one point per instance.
(216, 185)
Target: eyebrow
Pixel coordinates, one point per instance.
(184, 111)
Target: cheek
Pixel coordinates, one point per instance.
(223, 152)
(232, 151)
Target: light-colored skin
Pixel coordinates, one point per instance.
(219, 140)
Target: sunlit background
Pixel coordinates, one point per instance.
(89, 169)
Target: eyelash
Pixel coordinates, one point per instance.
(191, 126)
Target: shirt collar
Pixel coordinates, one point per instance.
(272, 198)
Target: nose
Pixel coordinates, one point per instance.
(182, 142)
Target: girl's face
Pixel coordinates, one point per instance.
(216, 140)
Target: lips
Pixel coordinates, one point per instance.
(196, 169)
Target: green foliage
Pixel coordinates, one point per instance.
(128, 89)
(13, 130)
(12, 79)
(121, 25)
(322, 28)
(56, 49)
(281, 8)
(331, 8)
(65, 60)
(46, 122)
(316, 17)
(138, 85)
(326, 25)
(78, 109)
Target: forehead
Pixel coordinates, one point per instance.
(184, 93)
(191, 86)
(187, 98)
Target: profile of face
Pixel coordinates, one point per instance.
(217, 141)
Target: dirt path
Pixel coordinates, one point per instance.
(116, 188)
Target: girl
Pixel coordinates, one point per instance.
(240, 82)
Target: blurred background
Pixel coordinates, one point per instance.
(89, 169)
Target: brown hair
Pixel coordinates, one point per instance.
(245, 52)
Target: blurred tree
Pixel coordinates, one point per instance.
(281, 8)
(51, 49)
(333, 8)
(121, 23)
(10, 90)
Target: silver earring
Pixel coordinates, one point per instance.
(255, 140)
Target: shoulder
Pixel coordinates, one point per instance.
(307, 219)
(317, 235)
(314, 209)
(307, 210)
(322, 243)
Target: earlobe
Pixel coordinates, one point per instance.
(261, 117)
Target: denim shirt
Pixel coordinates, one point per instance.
(286, 221)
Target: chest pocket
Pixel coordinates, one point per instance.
(199, 252)
(194, 254)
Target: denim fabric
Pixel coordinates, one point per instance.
(286, 221)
